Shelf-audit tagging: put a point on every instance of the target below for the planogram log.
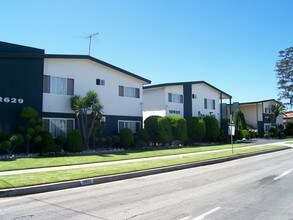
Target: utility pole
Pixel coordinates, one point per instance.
(90, 43)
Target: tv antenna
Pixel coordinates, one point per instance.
(90, 43)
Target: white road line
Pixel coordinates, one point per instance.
(283, 174)
(185, 218)
(207, 213)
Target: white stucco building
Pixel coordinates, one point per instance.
(120, 91)
(258, 115)
(185, 99)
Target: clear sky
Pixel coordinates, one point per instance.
(231, 44)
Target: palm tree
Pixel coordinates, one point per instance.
(83, 107)
(278, 109)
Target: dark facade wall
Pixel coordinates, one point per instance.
(187, 91)
(21, 85)
(111, 126)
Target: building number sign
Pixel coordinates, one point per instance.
(11, 100)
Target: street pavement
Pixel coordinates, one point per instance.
(258, 187)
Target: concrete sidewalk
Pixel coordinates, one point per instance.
(69, 167)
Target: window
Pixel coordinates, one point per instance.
(175, 98)
(134, 126)
(267, 127)
(268, 110)
(103, 120)
(100, 82)
(129, 92)
(58, 126)
(209, 104)
(194, 96)
(58, 85)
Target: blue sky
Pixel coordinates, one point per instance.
(231, 44)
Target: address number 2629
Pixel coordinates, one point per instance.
(11, 100)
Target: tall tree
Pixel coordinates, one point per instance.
(284, 72)
(88, 111)
(278, 109)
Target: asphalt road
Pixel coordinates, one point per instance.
(259, 187)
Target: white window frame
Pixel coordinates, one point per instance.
(65, 119)
(175, 98)
(210, 104)
(102, 82)
(130, 92)
(128, 121)
(56, 89)
(267, 127)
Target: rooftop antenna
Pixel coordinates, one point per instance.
(90, 43)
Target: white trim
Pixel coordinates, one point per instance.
(66, 119)
(128, 121)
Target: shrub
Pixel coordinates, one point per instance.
(289, 128)
(115, 140)
(6, 146)
(46, 140)
(178, 127)
(60, 141)
(3, 136)
(74, 142)
(239, 122)
(109, 141)
(165, 133)
(126, 138)
(53, 150)
(212, 128)
(196, 129)
(267, 135)
(15, 140)
(152, 127)
(245, 134)
(143, 135)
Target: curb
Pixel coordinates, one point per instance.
(98, 180)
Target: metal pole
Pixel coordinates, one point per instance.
(231, 129)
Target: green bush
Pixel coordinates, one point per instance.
(196, 129)
(5, 145)
(15, 140)
(165, 133)
(60, 141)
(46, 141)
(143, 135)
(115, 140)
(52, 150)
(267, 135)
(126, 138)
(3, 136)
(152, 127)
(240, 124)
(212, 128)
(178, 127)
(245, 134)
(74, 142)
(289, 128)
(109, 141)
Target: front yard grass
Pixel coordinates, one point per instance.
(21, 180)
(40, 162)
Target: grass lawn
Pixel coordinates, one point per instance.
(27, 163)
(21, 180)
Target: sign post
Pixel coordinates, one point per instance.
(231, 131)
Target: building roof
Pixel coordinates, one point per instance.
(8, 50)
(288, 115)
(261, 101)
(184, 83)
(66, 56)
